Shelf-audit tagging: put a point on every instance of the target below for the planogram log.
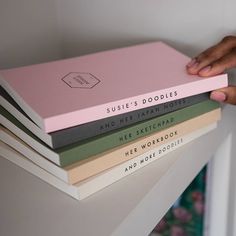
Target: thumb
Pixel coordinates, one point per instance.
(226, 95)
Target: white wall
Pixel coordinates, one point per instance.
(189, 25)
(29, 32)
(33, 31)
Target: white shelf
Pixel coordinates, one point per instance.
(132, 206)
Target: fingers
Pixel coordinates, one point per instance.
(226, 95)
(226, 62)
(215, 59)
(205, 59)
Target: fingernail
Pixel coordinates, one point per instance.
(205, 70)
(218, 96)
(192, 63)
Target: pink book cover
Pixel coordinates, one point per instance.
(70, 92)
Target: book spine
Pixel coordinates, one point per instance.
(74, 153)
(71, 135)
(106, 178)
(62, 121)
(96, 164)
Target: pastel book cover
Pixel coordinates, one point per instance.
(70, 92)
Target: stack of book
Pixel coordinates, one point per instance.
(81, 124)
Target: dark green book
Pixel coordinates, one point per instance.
(81, 150)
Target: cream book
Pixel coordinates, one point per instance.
(98, 163)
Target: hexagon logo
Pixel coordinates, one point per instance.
(80, 80)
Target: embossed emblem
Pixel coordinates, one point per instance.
(80, 80)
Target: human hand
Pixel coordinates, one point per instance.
(216, 60)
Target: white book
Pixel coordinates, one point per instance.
(93, 184)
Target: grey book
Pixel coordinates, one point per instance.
(85, 131)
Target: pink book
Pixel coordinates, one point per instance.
(70, 92)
